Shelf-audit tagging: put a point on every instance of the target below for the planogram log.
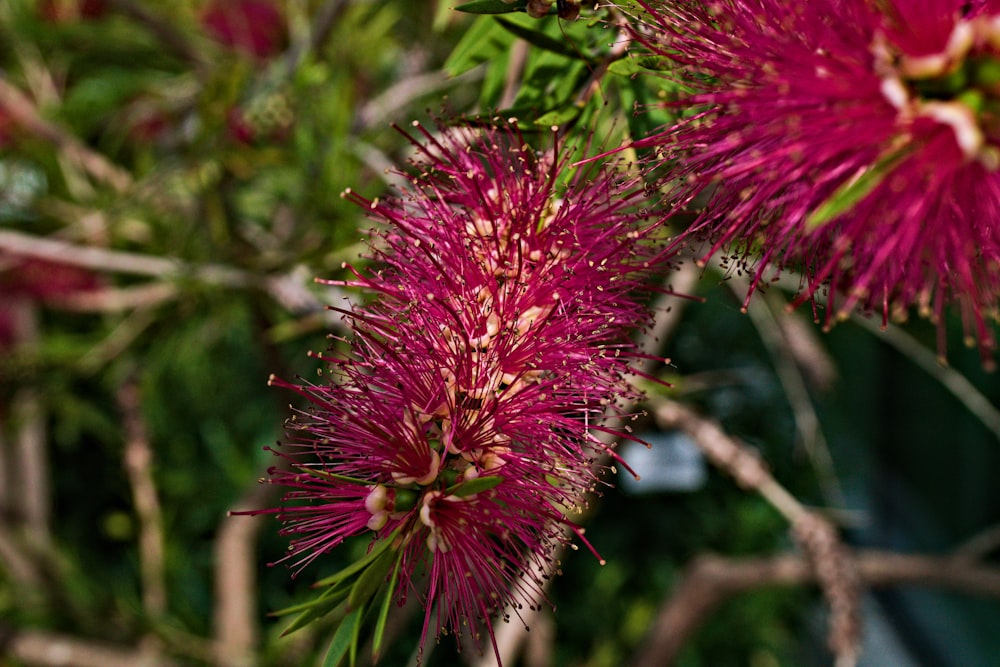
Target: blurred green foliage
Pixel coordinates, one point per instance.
(133, 128)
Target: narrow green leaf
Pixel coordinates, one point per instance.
(315, 613)
(356, 638)
(345, 636)
(853, 191)
(383, 613)
(473, 486)
(370, 579)
(317, 610)
(492, 7)
(304, 606)
(322, 474)
(539, 39)
(360, 564)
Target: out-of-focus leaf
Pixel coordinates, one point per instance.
(492, 7)
(539, 39)
(559, 116)
(329, 601)
(482, 41)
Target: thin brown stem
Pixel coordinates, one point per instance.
(712, 580)
(830, 559)
(139, 469)
(22, 111)
(47, 649)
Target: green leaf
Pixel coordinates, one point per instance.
(630, 66)
(483, 41)
(322, 474)
(360, 564)
(316, 610)
(473, 486)
(383, 613)
(492, 7)
(558, 116)
(853, 191)
(304, 606)
(370, 579)
(539, 39)
(345, 638)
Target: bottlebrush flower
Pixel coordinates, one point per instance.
(458, 432)
(856, 141)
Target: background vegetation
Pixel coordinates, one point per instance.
(170, 179)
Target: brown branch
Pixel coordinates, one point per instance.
(46, 649)
(832, 562)
(139, 469)
(235, 620)
(712, 580)
(23, 112)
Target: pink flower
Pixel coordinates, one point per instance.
(255, 28)
(459, 430)
(855, 141)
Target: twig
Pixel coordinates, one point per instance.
(139, 467)
(47, 649)
(101, 259)
(774, 338)
(235, 620)
(956, 383)
(23, 112)
(515, 68)
(33, 467)
(288, 289)
(831, 561)
(711, 580)
(18, 563)
(979, 545)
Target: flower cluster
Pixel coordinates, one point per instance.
(459, 429)
(856, 141)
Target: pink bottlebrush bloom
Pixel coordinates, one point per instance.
(460, 426)
(856, 141)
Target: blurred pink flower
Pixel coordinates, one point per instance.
(855, 141)
(256, 28)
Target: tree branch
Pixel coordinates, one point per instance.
(832, 562)
(712, 580)
(139, 467)
(46, 649)
(24, 113)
